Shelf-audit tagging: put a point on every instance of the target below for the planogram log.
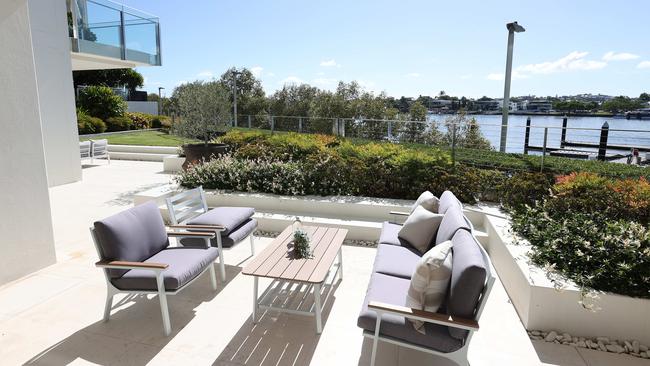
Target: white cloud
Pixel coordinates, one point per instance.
(643, 65)
(324, 81)
(270, 74)
(329, 63)
(574, 61)
(571, 62)
(466, 77)
(413, 75)
(207, 74)
(292, 80)
(257, 71)
(622, 56)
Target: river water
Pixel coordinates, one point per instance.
(582, 129)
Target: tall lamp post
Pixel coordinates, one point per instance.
(160, 88)
(235, 74)
(512, 29)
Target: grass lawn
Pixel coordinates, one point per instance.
(145, 138)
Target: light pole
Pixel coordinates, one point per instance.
(235, 73)
(512, 28)
(160, 88)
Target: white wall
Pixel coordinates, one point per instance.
(143, 107)
(26, 239)
(51, 47)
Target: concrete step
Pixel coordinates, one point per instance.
(357, 229)
(136, 156)
(166, 150)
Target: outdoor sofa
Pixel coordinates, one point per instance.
(448, 332)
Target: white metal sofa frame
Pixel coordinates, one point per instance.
(460, 355)
(99, 148)
(190, 204)
(157, 268)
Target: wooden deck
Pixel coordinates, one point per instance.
(277, 261)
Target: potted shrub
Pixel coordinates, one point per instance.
(204, 109)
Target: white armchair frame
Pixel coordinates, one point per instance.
(98, 149)
(190, 204)
(157, 268)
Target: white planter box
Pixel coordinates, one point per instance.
(541, 306)
(173, 163)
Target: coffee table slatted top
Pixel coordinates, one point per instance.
(276, 260)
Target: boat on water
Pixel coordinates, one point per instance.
(643, 113)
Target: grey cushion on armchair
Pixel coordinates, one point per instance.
(229, 217)
(132, 235)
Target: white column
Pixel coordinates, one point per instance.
(26, 239)
(51, 47)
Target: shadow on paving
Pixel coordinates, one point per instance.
(134, 333)
(277, 338)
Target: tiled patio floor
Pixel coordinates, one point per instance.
(53, 317)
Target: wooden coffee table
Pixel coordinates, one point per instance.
(295, 279)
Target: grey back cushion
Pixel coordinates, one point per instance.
(132, 235)
(447, 200)
(468, 274)
(452, 221)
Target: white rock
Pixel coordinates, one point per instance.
(551, 336)
(535, 332)
(615, 348)
(602, 347)
(643, 348)
(644, 355)
(636, 346)
(566, 336)
(602, 339)
(580, 343)
(537, 338)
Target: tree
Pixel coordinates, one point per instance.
(101, 102)
(112, 78)
(621, 104)
(204, 108)
(413, 129)
(251, 99)
(467, 133)
(644, 97)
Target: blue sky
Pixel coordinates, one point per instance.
(408, 47)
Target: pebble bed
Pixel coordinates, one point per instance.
(631, 347)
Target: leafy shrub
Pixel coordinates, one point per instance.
(100, 101)
(88, 125)
(119, 124)
(140, 120)
(523, 189)
(161, 122)
(592, 249)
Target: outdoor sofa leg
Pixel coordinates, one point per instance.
(222, 266)
(162, 296)
(252, 244)
(213, 276)
(108, 305)
(375, 340)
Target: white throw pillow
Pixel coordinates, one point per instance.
(430, 281)
(420, 228)
(428, 201)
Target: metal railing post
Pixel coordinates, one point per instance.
(122, 37)
(390, 130)
(602, 146)
(527, 136)
(541, 167)
(563, 137)
(249, 121)
(300, 124)
(272, 125)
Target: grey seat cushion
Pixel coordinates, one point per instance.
(447, 200)
(229, 217)
(184, 265)
(393, 290)
(451, 223)
(468, 275)
(396, 260)
(132, 235)
(227, 241)
(389, 235)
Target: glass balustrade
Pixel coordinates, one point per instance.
(104, 28)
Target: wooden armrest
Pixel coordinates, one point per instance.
(399, 213)
(191, 234)
(208, 227)
(427, 316)
(134, 265)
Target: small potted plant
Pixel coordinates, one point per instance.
(204, 109)
(301, 249)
